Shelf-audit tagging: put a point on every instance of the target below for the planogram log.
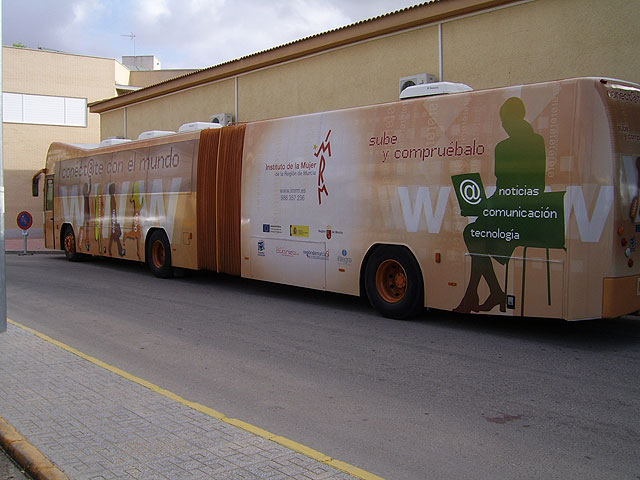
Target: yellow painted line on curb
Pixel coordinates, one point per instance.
(285, 442)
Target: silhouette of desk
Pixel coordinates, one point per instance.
(506, 222)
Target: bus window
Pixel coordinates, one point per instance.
(35, 186)
(49, 194)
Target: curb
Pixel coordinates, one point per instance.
(27, 456)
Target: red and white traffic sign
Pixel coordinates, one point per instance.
(25, 220)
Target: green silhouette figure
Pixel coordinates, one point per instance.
(518, 213)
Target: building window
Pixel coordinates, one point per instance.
(44, 110)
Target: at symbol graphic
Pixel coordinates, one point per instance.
(470, 191)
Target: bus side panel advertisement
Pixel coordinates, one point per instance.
(113, 199)
(518, 201)
(505, 197)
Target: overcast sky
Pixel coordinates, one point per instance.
(181, 33)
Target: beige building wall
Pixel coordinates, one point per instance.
(122, 74)
(544, 40)
(25, 145)
(41, 72)
(506, 43)
(51, 73)
(170, 111)
(357, 75)
(144, 78)
(113, 124)
(368, 73)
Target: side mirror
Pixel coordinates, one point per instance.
(35, 186)
(35, 182)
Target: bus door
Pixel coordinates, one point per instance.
(49, 237)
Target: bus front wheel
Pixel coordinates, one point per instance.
(393, 282)
(159, 255)
(69, 245)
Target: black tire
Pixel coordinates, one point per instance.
(69, 245)
(159, 255)
(393, 282)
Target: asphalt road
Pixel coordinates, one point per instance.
(446, 396)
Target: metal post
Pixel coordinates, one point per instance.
(25, 234)
(440, 64)
(3, 278)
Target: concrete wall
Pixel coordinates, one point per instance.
(523, 42)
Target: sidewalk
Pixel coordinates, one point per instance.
(34, 245)
(96, 422)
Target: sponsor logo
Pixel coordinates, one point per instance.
(261, 248)
(324, 148)
(316, 254)
(330, 232)
(286, 252)
(344, 259)
(299, 231)
(267, 228)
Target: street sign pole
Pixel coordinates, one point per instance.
(3, 278)
(24, 220)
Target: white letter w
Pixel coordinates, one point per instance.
(423, 199)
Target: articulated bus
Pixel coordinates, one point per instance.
(519, 201)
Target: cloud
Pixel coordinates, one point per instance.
(203, 33)
(84, 10)
(181, 33)
(152, 12)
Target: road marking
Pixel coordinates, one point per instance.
(285, 442)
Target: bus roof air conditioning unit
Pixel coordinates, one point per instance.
(154, 133)
(418, 79)
(437, 88)
(113, 141)
(194, 126)
(222, 118)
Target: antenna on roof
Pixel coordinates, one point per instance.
(132, 36)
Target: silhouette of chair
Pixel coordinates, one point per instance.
(524, 273)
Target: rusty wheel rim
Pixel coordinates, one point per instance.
(70, 243)
(391, 281)
(158, 254)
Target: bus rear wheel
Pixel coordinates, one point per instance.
(159, 255)
(69, 245)
(393, 282)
